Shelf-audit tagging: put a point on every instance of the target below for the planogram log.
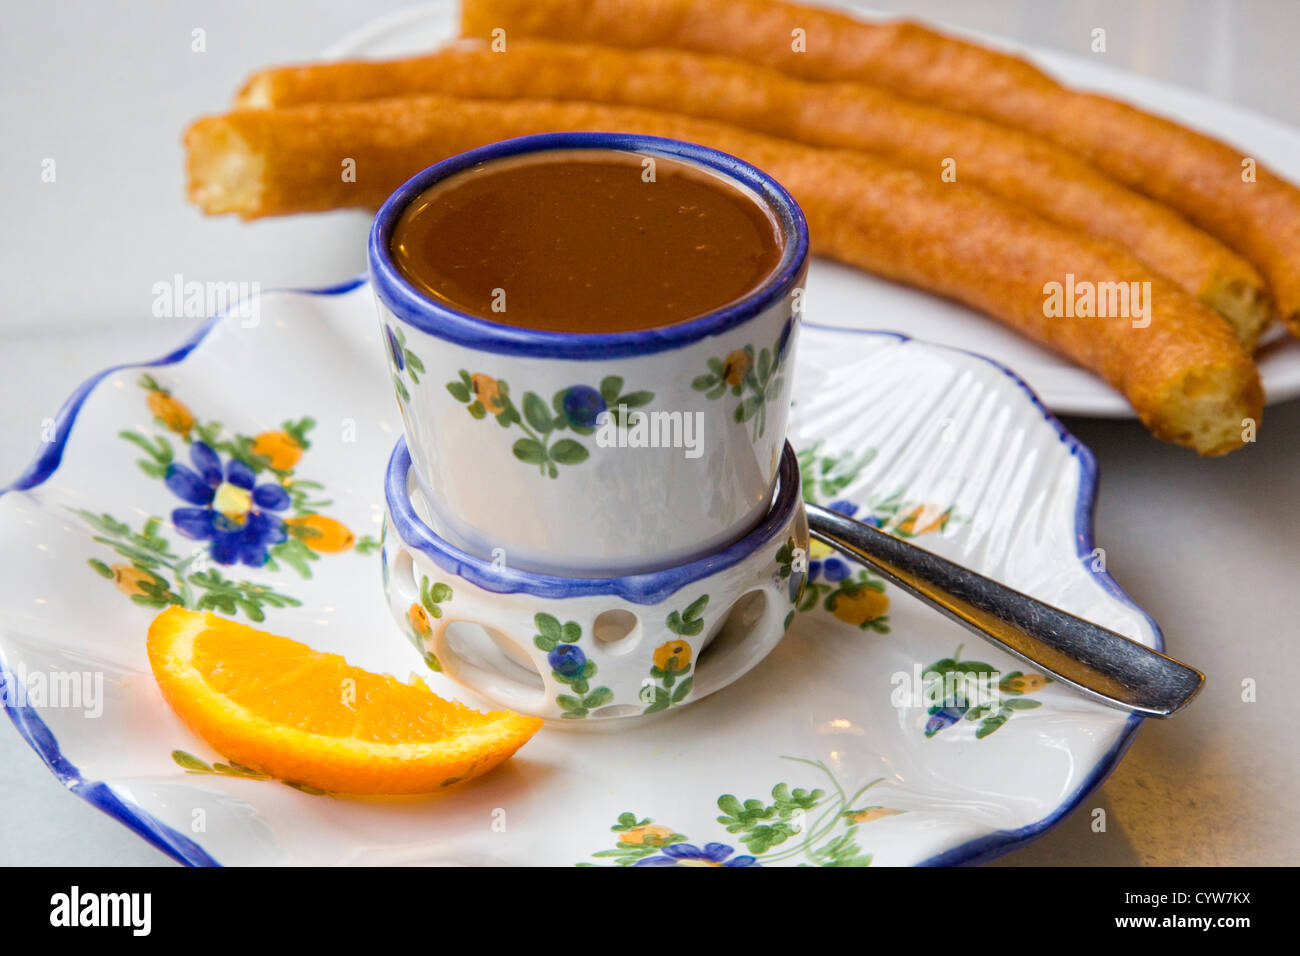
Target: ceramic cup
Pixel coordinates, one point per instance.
(505, 424)
(584, 650)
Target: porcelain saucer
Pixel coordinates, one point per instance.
(830, 751)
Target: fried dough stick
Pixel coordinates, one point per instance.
(1184, 372)
(1014, 164)
(1195, 174)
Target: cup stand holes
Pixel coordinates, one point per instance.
(617, 631)
(402, 579)
(745, 616)
(475, 648)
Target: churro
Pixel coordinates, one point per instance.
(1218, 187)
(1179, 365)
(1013, 164)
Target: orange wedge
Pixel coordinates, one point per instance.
(306, 717)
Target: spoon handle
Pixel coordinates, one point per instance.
(1105, 665)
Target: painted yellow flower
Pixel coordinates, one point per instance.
(859, 606)
(171, 411)
(674, 653)
(322, 534)
(280, 449)
(735, 366)
(819, 549)
(488, 391)
(651, 834)
(873, 813)
(129, 579)
(912, 522)
(1026, 683)
(419, 619)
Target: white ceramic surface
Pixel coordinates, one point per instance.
(615, 453)
(926, 441)
(846, 298)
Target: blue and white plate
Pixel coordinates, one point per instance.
(843, 747)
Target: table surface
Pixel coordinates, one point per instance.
(1209, 548)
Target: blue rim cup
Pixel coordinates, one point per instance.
(507, 426)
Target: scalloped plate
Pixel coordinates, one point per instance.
(833, 740)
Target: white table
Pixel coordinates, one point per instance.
(1210, 548)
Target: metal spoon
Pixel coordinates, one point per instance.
(1100, 663)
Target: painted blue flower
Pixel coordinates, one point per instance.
(232, 510)
(849, 509)
(395, 347)
(941, 717)
(567, 660)
(688, 854)
(833, 568)
(582, 405)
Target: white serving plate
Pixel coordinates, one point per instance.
(846, 298)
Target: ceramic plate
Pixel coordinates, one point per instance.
(836, 749)
(846, 298)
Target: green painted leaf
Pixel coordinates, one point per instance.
(597, 698)
(992, 724)
(536, 413)
(190, 762)
(530, 451)
(729, 805)
(636, 399)
(568, 452)
(547, 626)
(571, 632)
(610, 386)
(695, 608)
(459, 391)
(102, 569)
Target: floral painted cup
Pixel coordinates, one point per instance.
(506, 425)
(584, 650)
